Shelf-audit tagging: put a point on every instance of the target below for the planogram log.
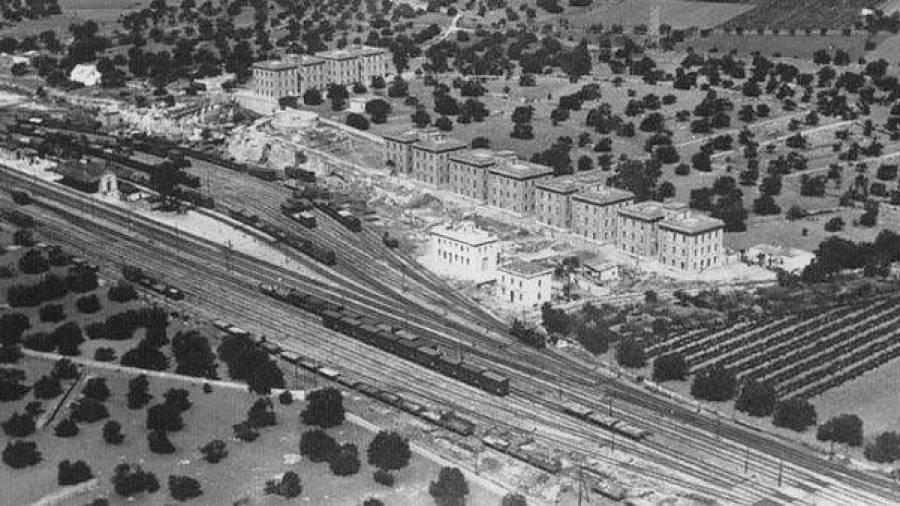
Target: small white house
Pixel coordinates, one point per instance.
(526, 284)
(85, 74)
(464, 251)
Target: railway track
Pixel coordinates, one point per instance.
(476, 404)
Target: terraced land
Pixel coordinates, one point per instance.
(800, 355)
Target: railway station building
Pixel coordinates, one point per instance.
(553, 197)
(525, 284)
(464, 251)
(512, 183)
(691, 242)
(595, 212)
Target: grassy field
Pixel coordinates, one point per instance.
(675, 13)
(802, 14)
(105, 13)
(800, 46)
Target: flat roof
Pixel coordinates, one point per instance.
(439, 145)
(604, 195)
(479, 157)
(408, 136)
(574, 182)
(522, 170)
(650, 210)
(466, 233)
(350, 52)
(274, 65)
(525, 269)
(692, 224)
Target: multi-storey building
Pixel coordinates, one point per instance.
(464, 250)
(595, 212)
(398, 150)
(889, 215)
(294, 74)
(525, 284)
(469, 172)
(430, 158)
(691, 242)
(553, 197)
(637, 232)
(511, 184)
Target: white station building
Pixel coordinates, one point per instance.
(525, 284)
(464, 251)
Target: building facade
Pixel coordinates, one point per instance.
(691, 242)
(526, 284)
(511, 184)
(464, 250)
(595, 213)
(275, 79)
(398, 150)
(469, 172)
(431, 156)
(553, 197)
(637, 227)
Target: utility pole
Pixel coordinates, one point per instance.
(746, 459)
(780, 472)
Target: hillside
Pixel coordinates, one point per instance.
(801, 14)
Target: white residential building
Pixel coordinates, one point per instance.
(464, 251)
(86, 74)
(525, 284)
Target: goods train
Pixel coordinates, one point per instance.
(607, 422)
(392, 339)
(537, 459)
(137, 275)
(319, 253)
(342, 216)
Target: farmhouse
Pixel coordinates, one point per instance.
(526, 284)
(464, 251)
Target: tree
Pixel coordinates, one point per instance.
(164, 417)
(346, 461)
(66, 428)
(481, 143)
(88, 304)
(88, 410)
(245, 432)
(357, 121)
(715, 384)
(421, 118)
(318, 445)
(383, 477)
(145, 356)
(183, 488)
(444, 124)
(450, 489)
(670, 367)
(214, 451)
(12, 326)
(371, 501)
(193, 355)
(96, 388)
(312, 97)
(885, 448)
(288, 487)
(512, 499)
(33, 262)
(158, 442)
(378, 110)
(757, 399)
(398, 88)
(138, 388)
(325, 408)
(389, 451)
(630, 353)
(73, 473)
(796, 414)
(835, 224)
(47, 387)
(122, 291)
(847, 429)
(65, 369)
(261, 413)
(130, 479)
(765, 205)
(112, 432)
(18, 425)
(21, 454)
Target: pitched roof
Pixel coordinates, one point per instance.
(465, 233)
(439, 145)
(650, 210)
(573, 182)
(692, 224)
(275, 65)
(89, 171)
(408, 136)
(477, 157)
(520, 169)
(603, 196)
(525, 269)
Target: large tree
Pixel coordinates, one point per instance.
(389, 451)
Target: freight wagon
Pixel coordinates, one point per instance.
(609, 423)
(137, 275)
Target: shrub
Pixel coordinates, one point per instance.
(183, 488)
(325, 408)
(159, 442)
(130, 480)
(52, 313)
(389, 451)
(88, 410)
(318, 445)
(288, 486)
(96, 389)
(214, 451)
(346, 461)
(47, 387)
(286, 398)
(66, 428)
(112, 432)
(18, 425)
(383, 477)
(105, 354)
(207, 388)
(372, 501)
(88, 304)
(73, 473)
(21, 454)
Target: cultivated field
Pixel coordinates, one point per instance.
(799, 46)
(105, 13)
(802, 14)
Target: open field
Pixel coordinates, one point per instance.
(802, 14)
(241, 475)
(630, 13)
(799, 46)
(105, 13)
(871, 396)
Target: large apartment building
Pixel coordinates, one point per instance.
(512, 184)
(293, 74)
(637, 227)
(431, 157)
(553, 197)
(469, 170)
(691, 242)
(595, 212)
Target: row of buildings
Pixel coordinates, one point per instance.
(294, 74)
(580, 203)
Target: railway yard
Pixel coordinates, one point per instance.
(560, 415)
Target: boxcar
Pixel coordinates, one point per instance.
(578, 410)
(495, 383)
(428, 355)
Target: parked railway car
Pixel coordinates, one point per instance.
(390, 242)
(21, 197)
(607, 422)
(342, 216)
(319, 253)
(263, 173)
(244, 217)
(137, 275)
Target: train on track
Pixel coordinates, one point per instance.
(609, 423)
(137, 275)
(539, 460)
(398, 341)
(309, 248)
(340, 214)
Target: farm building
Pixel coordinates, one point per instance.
(525, 284)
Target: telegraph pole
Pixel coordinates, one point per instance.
(780, 472)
